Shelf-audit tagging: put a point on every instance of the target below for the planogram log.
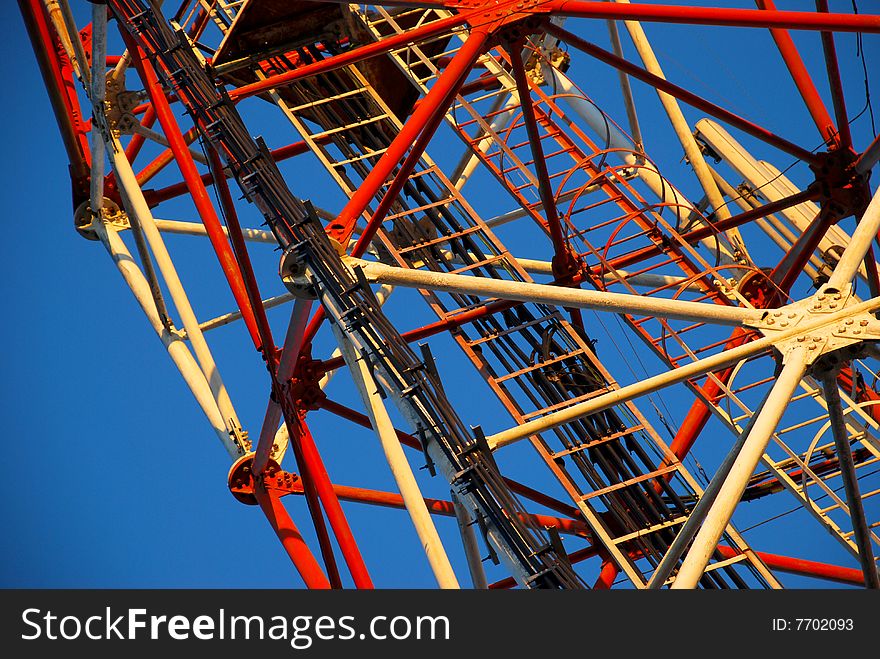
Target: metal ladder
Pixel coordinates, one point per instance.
(622, 224)
(629, 487)
(471, 471)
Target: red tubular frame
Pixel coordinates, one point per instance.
(308, 455)
(58, 78)
(835, 82)
(444, 508)
(197, 189)
(138, 140)
(408, 440)
(793, 20)
(791, 265)
(155, 197)
(164, 159)
(291, 539)
(563, 263)
(350, 57)
(412, 138)
(403, 155)
(265, 344)
(802, 79)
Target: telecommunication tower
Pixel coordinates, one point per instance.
(699, 270)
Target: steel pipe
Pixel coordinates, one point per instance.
(686, 372)
(401, 469)
(861, 530)
(558, 295)
(177, 350)
(735, 481)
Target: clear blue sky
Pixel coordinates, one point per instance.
(112, 476)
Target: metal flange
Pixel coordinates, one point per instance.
(819, 338)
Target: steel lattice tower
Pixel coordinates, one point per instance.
(705, 275)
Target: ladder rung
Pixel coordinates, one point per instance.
(598, 442)
(357, 124)
(479, 264)
(630, 482)
(538, 366)
(328, 99)
(440, 240)
(419, 209)
(359, 158)
(510, 330)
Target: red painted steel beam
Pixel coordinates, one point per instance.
(432, 329)
(350, 57)
(835, 82)
(792, 20)
(411, 142)
(798, 566)
(563, 263)
(264, 342)
(716, 227)
(196, 187)
(291, 539)
(607, 574)
(443, 507)
(155, 197)
(803, 567)
(802, 79)
(137, 140)
(164, 159)
(682, 94)
(317, 473)
(792, 264)
(316, 481)
(58, 80)
(313, 501)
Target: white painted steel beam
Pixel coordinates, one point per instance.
(177, 349)
(769, 182)
(734, 484)
(559, 295)
(139, 211)
(851, 259)
(198, 229)
(662, 380)
(469, 540)
(400, 468)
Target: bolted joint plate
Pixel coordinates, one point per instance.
(241, 479)
(111, 215)
(825, 326)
